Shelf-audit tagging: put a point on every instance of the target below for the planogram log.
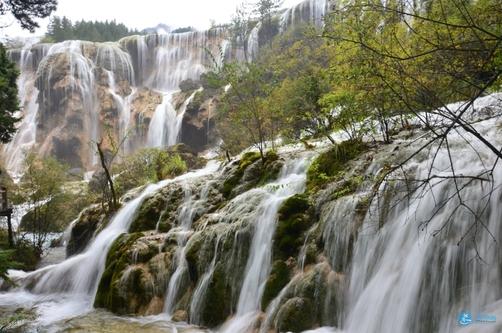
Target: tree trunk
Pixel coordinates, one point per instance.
(109, 179)
(9, 227)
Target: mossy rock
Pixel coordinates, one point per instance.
(109, 295)
(192, 257)
(278, 279)
(252, 171)
(246, 160)
(89, 221)
(156, 209)
(331, 164)
(217, 305)
(296, 315)
(293, 220)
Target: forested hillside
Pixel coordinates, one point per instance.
(62, 28)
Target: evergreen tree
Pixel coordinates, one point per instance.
(264, 9)
(25, 11)
(61, 29)
(9, 103)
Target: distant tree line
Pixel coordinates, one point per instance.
(61, 29)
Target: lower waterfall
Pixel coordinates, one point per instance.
(405, 266)
(76, 279)
(291, 181)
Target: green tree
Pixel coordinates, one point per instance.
(26, 11)
(9, 103)
(243, 118)
(41, 187)
(61, 29)
(265, 10)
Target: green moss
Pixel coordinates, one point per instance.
(277, 280)
(293, 221)
(192, 255)
(218, 298)
(248, 158)
(263, 173)
(148, 214)
(117, 260)
(348, 187)
(296, 204)
(296, 315)
(331, 164)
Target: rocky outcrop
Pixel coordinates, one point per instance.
(83, 93)
(90, 221)
(140, 264)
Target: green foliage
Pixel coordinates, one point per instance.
(393, 60)
(23, 256)
(25, 12)
(243, 119)
(331, 164)
(9, 103)
(41, 187)
(173, 166)
(61, 29)
(146, 166)
(7, 262)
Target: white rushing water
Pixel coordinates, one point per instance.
(25, 137)
(431, 256)
(159, 62)
(290, 181)
(186, 213)
(166, 122)
(76, 279)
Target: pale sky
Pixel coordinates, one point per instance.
(140, 14)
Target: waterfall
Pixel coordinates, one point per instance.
(61, 87)
(308, 11)
(124, 107)
(290, 181)
(185, 218)
(78, 276)
(200, 291)
(253, 42)
(165, 126)
(25, 137)
(412, 268)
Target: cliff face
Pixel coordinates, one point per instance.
(75, 92)
(78, 102)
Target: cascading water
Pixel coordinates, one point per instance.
(166, 122)
(185, 219)
(201, 289)
(291, 181)
(416, 266)
(74, 72)
(66, 108)
(311, 11)
(77, 277)
(26, 134)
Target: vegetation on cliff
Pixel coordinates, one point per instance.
(9, 103)
(62, 28)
